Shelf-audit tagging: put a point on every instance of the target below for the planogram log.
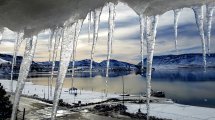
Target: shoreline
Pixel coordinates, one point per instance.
(160, 109)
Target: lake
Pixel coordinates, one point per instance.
(185, 86)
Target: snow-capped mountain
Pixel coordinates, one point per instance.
(3, 61)
(183, 60)
(9, 58)
(116, 63)
(85, 64)
(4, 66)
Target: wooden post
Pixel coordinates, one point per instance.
(123, 91)
(23, 117)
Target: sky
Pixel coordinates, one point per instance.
(126, 41)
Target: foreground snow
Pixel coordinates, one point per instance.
(82, 95)
(162, 110)
(176, 111)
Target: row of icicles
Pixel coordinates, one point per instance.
(68, 36)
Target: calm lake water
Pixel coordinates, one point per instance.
(185, 86)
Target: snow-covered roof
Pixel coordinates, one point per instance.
(33, 16)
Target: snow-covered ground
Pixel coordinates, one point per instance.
(42, 91)
(162, 110)
(175, 111)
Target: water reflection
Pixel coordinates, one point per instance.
(191, 87)
(184, 75)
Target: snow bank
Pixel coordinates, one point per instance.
(42, 91)
(175, 111)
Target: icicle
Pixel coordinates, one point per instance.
(96, 19)
(77, 31)
(50, 50)
(52, 32)
(110, 39)
(209, 16)
(16, 46)
(151, 26)
(66, 50)
(177, 13)
(1, 34)
(110, 34)
(142, 19)
(58, 36)
(89, 25)
(198, 11)
(24, 70)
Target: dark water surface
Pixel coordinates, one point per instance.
(185, 86)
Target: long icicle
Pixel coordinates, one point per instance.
(25, 68)
(198, 11)
(142, 19)
(151, 27)
(66, 53)
(75, 42)
(209, 16)
(177, 13)
(96, 19)
(50, 50)
(89, 25)
(16, 46)
(110, 39)
(110, 34)
(58, 36)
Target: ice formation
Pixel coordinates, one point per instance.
(67, 31)
(15, 51)
(177, 13)
(96, 19)
(110, 34)
(57, 38)
(25, 67)
(75, 41)
(89, 25)
(151, 26)
(142, 30)
(111, 22)
(209, 16)
(198, 11)
(1, 34)
(50, 50)
(66, 53)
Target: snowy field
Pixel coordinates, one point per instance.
(42, 92)
(176, 111)
(162, 110)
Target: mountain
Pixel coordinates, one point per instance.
(116, 63)
(10, 58)
(85, 63)
(79, 65)
(3, 61)
(181, 61)
(4, 66)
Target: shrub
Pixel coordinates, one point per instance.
(5, 104)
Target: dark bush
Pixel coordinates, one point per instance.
(5, 104)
